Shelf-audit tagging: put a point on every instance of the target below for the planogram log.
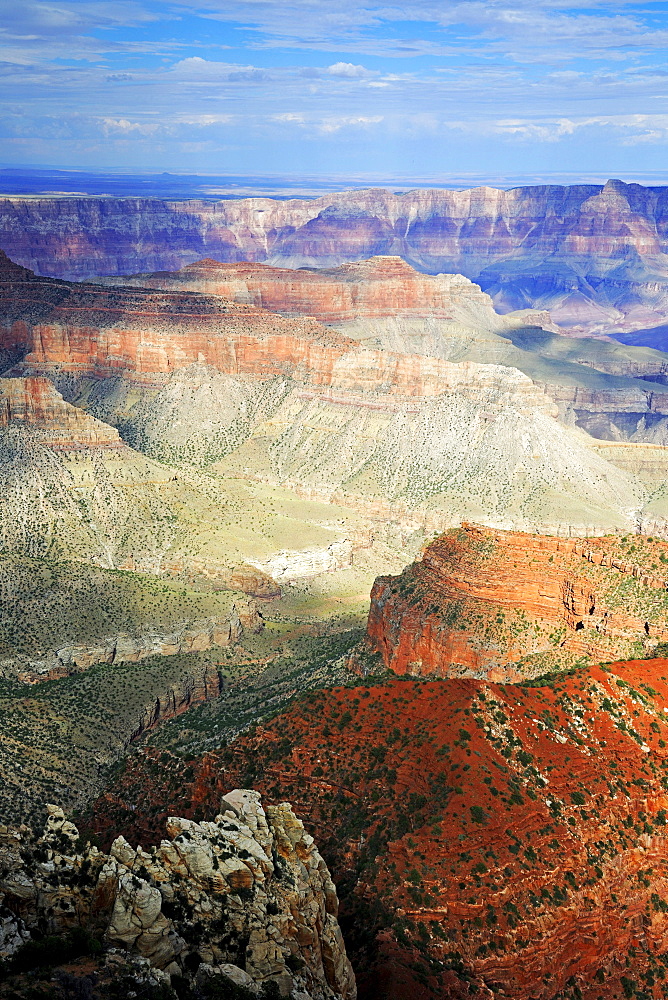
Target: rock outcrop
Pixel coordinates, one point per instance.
(246, 897)
(594, 255)
(32, 404)
(509, 605)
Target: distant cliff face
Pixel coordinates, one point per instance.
(593, 255)
(507, 605)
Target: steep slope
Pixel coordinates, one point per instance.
(303, 406)
(246, 899)
(598, 384)
(594, 255)
(502, 605)
(72, 489)
(507, 836)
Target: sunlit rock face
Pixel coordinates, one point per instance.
(507, 605)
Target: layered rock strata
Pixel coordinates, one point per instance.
(377, 287)
(507, 605)
(246, 897)
(32, 404)
(303, 406)
(595, 255)
(611, 391)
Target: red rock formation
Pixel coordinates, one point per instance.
(504, 604)
(33, 404)
(510, 836)
(93, 329)
(378, 286)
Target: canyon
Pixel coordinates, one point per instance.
(594, 255)
(488, 822)
(205, 463)
(286, 400)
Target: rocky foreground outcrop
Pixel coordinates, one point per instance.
(246, 897)
(595, 255)
(507, 605)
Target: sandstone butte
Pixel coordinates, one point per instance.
(506, 605)
(494, 838)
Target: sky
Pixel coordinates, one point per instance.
(424, 91)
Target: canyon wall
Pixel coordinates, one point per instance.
(378, 286)
(144, 334)
(182, 637)
(507, 605)
(612, 391)
(594, 255)
(290, 401)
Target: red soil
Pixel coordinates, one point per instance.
(509, 836)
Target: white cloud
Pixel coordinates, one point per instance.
(357, 121)
(289, 119)
(123, 126)
(348, 70)
(327, 125)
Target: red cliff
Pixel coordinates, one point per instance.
(146, 334)
(505, 604)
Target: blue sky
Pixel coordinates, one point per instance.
(419, 91)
